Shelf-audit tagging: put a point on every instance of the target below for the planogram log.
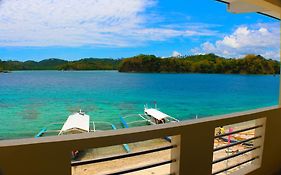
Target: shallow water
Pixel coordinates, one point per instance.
(30, 100)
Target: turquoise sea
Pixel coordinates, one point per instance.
(30, 100)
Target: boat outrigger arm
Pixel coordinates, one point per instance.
(41, 132)
(125, 146)
(46, 130)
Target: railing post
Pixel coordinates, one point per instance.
(259, 142)
(194, 151)
(175, 155)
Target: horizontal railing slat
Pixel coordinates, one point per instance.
(236, 165)
(236, 143)
(142, 167)
(122, 156)
(238, 131)
(235, 155)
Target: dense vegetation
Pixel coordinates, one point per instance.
(209, 63)
(58, 64)
(91, 64)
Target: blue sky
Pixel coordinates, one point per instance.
(74, 29)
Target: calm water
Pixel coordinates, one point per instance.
(31, 100)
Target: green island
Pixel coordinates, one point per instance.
(59, 64)
(208, 63)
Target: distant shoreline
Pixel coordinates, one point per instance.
(205, 64)
(175, 73)
(5, 71)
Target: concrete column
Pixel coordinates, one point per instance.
(194, 154)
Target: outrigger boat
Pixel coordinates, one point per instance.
(154, 116)
(77, 123)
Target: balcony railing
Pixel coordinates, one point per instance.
(192, 150)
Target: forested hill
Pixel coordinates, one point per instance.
(58, 64)
(209, 63)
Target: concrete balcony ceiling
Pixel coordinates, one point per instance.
(270, 8)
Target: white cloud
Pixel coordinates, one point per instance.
(114, 23)
(263, 39)
(176, 54)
